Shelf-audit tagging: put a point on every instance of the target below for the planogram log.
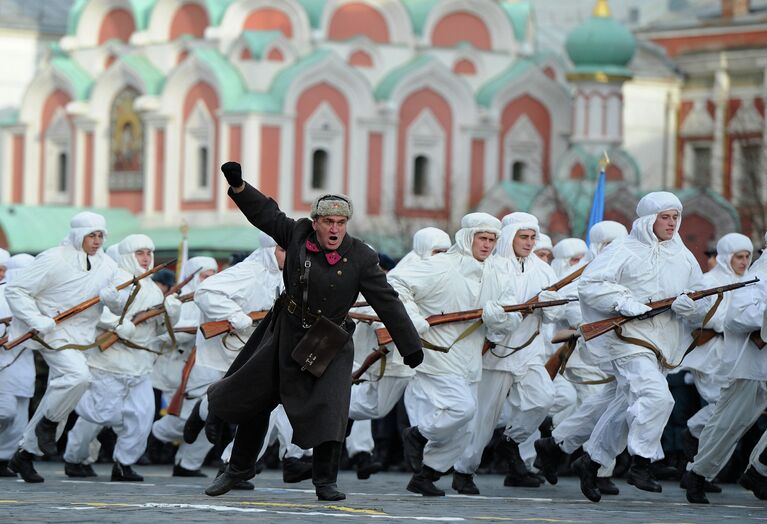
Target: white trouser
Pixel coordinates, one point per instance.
(279, 429)
(572, 432)
(124, 403)
(565, 400)
(709, 387)
(637, 414)
(740, 404)
(444, 407)
(372, 400)
(360, 439)
(170, 428)
(68, 379)
(14, 412)
(531, 396)
(759, 466)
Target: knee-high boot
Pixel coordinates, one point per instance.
(325, 461)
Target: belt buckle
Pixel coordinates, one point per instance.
(291, 306)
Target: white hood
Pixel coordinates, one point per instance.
(727, 246)
(565, 250)
(264, 255)
(505, 246)
(192, 265)
(126, 250)
(424, 242)
(543, 241)
(82, 225)
(602, 234)
(648, 209)
(761, 264)
(472, 224)
(16, 263)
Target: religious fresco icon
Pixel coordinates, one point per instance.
(127, 143)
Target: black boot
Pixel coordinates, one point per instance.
(587, 469)
(689, 445)
(696, 493)
(22, 463)
(423, 481)
(641, 476)
(123, 473)
(754, 482)
(73, 470)
(4, 471)
(606, 486)
(708, 487)
(89, 471)
(550, 456)
(365, 465)
(413, 444)
(464, 484)
(180, 471)
(295, 470)
(228, 480)
(194, 424)
(325, 463)
(518, 474)
(45, 431)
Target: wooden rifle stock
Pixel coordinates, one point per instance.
(566, 338)
(702, 336)
(756, 338)
(382, 334)
(364, 318)
(371, 359)
(189, 330)
(6, 320)
(600, 327)
(79, 308)
(219, 327)
(174, 407)
(108, 338)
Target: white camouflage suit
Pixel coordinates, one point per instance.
(628, 274)
(705, 362)
(744, 399)
(58, 279)
(166, 375)
(120, 395)
(377, 395)
(516, 377)
(17, 371)
(442, 398)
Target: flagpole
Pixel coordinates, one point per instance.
(183, 250)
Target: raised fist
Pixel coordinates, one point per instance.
(233, 173)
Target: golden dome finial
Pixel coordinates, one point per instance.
(601, 10)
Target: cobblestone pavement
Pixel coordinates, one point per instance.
(162, 498)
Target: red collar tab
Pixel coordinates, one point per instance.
(333, 257)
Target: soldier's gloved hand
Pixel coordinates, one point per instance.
(240, 321)
(414, 359)
(421, 325)
(126, 330)
(632, 308)
(233, 173)
(550, 314)
(43, 325)
(110, 297)
(172, 306)
(493, 315)
(683, 306)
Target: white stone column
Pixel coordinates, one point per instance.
(721, 96)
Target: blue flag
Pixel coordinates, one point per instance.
(598, 205)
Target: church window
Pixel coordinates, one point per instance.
(518, 171)
(202, 166)
(62, 180)
(421, 176)
(319, 168)
(701, 175)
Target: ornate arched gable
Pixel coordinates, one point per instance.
(287, 16)
(484, 24)
(380, 21)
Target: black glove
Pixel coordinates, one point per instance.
(414, 359)
(233, 173)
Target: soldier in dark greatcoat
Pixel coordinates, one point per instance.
(265, 374)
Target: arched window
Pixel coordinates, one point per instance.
(518, 171)
(203, 178)
(62, 178)
(421, 175)
(319, 168)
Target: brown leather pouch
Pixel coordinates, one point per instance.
(319, 346)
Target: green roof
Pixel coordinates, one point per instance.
(487, 92)
(216, 10)
(522, 195)
(80, 81)
(9, 118)
(387, 85)
(152, 78)
(75, 12)
(285, 78)
(419, 11)
(230, 83)
(314, 9)
(519, 16)
(258, 41)
(32, 229)
(600, 43)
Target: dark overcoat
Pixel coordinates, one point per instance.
(264, 374)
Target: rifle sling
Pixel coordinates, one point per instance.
(566, 353)
(381, 369)
(706, 319)
(129, 302)
(648, 345)
(14, 359)
(466, 332)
